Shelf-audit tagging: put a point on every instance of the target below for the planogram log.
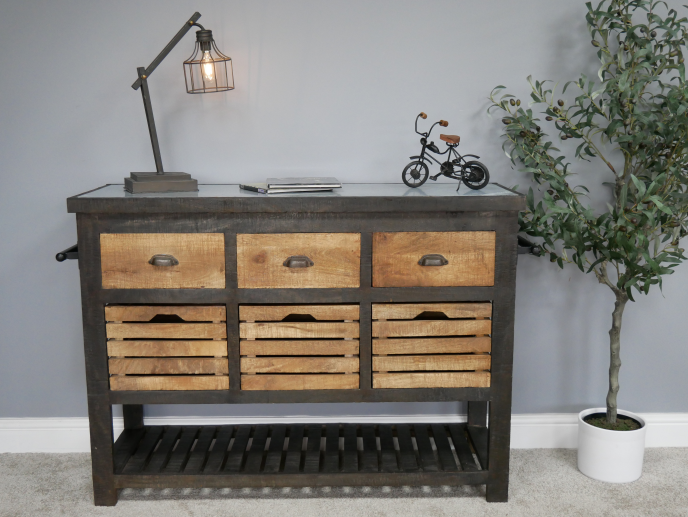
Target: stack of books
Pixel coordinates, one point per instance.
(288, 185)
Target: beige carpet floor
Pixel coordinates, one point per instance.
(544, 482)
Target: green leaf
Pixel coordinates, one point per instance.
(661, 206)
(530, 203)
(639, 185)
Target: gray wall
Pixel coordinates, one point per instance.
(322, 88)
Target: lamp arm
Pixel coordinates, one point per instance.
(168, 48)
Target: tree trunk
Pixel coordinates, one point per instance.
(615, 358)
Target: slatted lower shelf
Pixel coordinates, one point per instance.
(301, 455)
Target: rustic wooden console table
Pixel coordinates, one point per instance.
(372, 293)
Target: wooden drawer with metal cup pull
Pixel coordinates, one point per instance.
(298, 260)
(433, 259)
(162, 260)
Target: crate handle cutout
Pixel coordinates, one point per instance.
(298, 261)
(166, 318)
(298, 318)
(432, 315)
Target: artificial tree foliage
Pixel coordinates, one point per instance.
(637, 109)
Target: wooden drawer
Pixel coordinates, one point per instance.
(167, 347)
(410, 259)
(299, 347)
(124, 260)
(431, 345)
(329, 260)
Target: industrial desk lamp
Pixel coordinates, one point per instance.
(207, 70)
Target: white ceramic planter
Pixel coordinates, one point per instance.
(611, 456)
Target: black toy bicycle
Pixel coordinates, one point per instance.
(474, 174)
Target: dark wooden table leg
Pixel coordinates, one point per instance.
(477, 413)
(95, 352)
(498, 452)
(503, 313)
(133, 416)
(100, 422)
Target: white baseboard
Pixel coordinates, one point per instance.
(535, 431)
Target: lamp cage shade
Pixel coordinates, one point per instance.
(208, 69)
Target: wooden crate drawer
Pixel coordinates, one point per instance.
(431, 345)
(298, 260)
(433, 259)
(125, 260)
(167, 347)
(299, 347)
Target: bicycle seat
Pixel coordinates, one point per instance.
(450, 139)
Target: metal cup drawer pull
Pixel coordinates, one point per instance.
(163, 260)
(434, 259)
(297, 261)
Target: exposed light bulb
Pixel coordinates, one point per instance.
(208, 67)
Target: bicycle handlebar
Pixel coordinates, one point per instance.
(422, 115)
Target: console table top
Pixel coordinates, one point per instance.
(352, 197)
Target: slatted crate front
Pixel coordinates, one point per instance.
(431, 345)
(299, 347)
(167, 347)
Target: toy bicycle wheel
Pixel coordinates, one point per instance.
(475, 175)
(415, 174)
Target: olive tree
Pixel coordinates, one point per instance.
(631, 122)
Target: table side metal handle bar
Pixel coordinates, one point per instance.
(71, 253)
(525, 247)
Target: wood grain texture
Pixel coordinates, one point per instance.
(471, 257)
(279, 312)
(166, 330)
(299, 364)
(325, 347)
(438, 345)
(124, 260)
(169, 383)
(167, 366)
(431, 328)
(336, 257)
(415, 363)
(298, 330)
(408, 311)
(167, 348)
(431, 380)
(300, 382)
(148, 312)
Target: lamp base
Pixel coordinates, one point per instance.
(152, 182)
